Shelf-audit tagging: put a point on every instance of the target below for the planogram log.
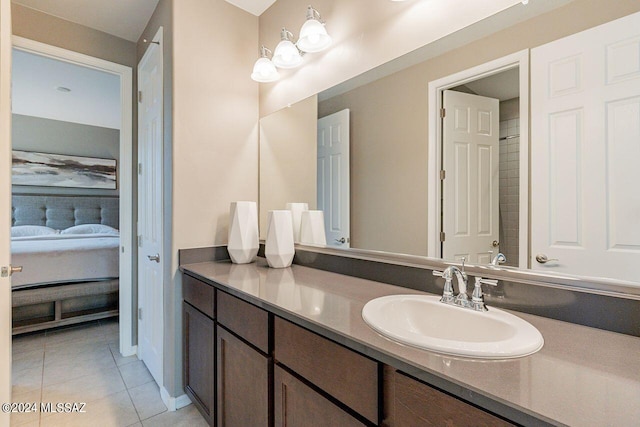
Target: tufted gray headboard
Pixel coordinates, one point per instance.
(62, 212)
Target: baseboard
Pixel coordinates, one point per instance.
(131, 350)
(174, 403)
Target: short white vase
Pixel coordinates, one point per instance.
(279, 249)
(312, 228)
(296, 214)
(243, 232)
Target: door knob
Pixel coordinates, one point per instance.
(542, 259)
(341, 240)
(495, 243)
(8, 271)
(155, 257)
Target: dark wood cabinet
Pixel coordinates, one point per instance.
(244, 366)
(198, 364)
(297, 405)
(342, 373)
(244, 387)
(409, 402)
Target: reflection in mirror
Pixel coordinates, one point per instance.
(389, 137)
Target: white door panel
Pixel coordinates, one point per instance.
(470, 188)
(5, 213)
(333, 177)
(150, 184)
(585, 145)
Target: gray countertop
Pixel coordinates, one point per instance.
(581, 377)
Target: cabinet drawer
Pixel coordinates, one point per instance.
(344, 374)
(199, 294)
(296, 405)
(410, 402)
(244, 319)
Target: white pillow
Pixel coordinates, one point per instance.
(31, 230)
(90, 229)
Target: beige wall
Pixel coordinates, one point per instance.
(38, 26)
(288, 158)
(389, 126)
(215, 136)
(364, 36)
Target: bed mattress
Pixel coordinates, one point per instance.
(64, 259)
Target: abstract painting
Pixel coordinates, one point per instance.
(57, 170)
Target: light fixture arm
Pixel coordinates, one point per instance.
(314, 14)
(286, 35)
(265, 52)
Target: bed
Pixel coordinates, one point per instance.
(68, 248)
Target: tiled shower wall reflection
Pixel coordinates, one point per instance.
(509, 180)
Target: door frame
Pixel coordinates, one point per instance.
(5, 218)
(436, 87)
(125, 172)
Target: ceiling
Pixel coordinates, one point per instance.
(94, 98)
(122, 18)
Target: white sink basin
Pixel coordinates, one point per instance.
(423, 321)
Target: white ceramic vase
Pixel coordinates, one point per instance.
(279, 249)
(296, 214)
(243, 232)
(312, 228)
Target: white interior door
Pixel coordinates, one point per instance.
(150, 234)
(333, 177)
(470, 198)
(585, 133)
(5, 212)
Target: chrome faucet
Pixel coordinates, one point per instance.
(462, 299)
(499, 259)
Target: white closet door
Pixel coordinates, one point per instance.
(333, 177)
(585, 148)
(470, 196)
(150, 208)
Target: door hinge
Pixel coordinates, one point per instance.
(140, 313)
(442, 236)
(140, 96)
(442, 175)
(140, 241)
(139, 168)
(443, 113)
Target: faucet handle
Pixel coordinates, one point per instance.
(480, 280)
(477, 298)
(438, 273)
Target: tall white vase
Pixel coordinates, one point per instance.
(296, 214)
(312, 228)
(279, 249)
(243, 232)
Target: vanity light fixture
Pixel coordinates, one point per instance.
(286, 54)
(264, 70)
(313, 34)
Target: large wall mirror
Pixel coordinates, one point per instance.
(400, 202)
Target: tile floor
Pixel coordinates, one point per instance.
(83, 364)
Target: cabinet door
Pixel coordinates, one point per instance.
(198, 361)
(243, 383)
(296, 404)
(413, 403)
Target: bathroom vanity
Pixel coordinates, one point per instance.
(289, 346)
